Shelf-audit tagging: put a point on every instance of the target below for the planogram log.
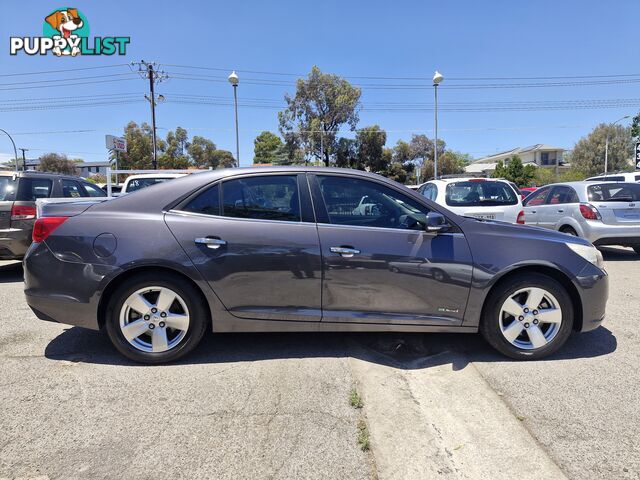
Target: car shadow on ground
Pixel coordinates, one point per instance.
(408, 351)
(618, 254)
(11, 272)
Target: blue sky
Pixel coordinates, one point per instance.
(462, 39)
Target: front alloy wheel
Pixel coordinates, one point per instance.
(528, 316)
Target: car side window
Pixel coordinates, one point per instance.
(72, 189)
(430, 191)
(562, 194)
(537, 198)
(358, 202)
(93, 191)
(269, 197)
(207, 203)
(31, 189)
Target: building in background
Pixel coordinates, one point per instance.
(540, 155)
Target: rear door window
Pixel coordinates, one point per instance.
(484, 193)
(562, 194)
(207, 203)
(537, 198)
(271, 197)
(72, 189)
(93, 191)
(31, 189)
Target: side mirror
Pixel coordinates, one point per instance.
(436, 222)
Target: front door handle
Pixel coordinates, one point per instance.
(211, 242)
(560, 211)
(533, 211)
(345, 252)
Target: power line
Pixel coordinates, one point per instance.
(45, 72)
(68, 84)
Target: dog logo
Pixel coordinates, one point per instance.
(67, 24)
(65, 33)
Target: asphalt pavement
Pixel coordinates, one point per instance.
(277, 405)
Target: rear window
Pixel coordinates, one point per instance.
(140, 183)
(31, 189)
(480, 194)
(612, 178)
(609, 192)
(7, 189)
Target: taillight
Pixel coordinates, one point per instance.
(589, 212)
(23, 212)
(45, 226)
(520, 219)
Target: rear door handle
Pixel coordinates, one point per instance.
(533, 211)
(346, 252)
(560, 211)
(211, 242)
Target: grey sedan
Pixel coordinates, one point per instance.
(292, 249)
(605, 213)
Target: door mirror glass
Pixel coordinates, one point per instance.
(436, 222)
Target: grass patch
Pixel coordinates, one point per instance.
(355, 400)
(363, 436)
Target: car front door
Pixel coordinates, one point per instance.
(532, 207)
(255, 241)
(379, 265)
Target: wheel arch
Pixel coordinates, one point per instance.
(554, 273)
(139, 270)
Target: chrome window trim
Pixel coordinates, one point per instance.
(385, 229)
(221, 217)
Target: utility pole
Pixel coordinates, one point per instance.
(24, 160)
(148, 70)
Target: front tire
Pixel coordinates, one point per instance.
(529, 317)
(155, 320)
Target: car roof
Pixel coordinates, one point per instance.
(466, 179)
(156, 175)
(36, 174)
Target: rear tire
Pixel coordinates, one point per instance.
(569, 231)
(164, 318)
(532, 331)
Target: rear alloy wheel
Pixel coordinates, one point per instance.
(155, 321)
(529, 317)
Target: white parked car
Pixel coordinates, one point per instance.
(616, 177)
(485, 198)
(138, 182)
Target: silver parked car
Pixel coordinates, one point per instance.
(605, 213)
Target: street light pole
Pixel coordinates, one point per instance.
(15, 151)
(233, 80)
(437, 78)
(24, 160)
(606, 145)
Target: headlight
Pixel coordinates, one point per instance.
(589, 253)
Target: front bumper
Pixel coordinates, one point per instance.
(14, 243)
(593, 288)
(63, 291)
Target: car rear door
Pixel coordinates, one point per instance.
(556, 206)
(255, 241)
(533, 204)
(379, 265)
(8, 184)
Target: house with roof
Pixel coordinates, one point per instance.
(539, 155)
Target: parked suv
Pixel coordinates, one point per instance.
(18, 194)
(616, 177)
(605, 213)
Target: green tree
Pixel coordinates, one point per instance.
(635, 126)
(395, 171)
(202, 152)
(422, 153)
(139, 154)
(224, 159)
(588, 153)
(175, 151)
(346, 153)
(321, 105)
(58, 163)
(515, 171)
(370, 149)
(267, 148)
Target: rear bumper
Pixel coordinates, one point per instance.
(594, 291)
(14, 243)
(62, 291)
(599, 233)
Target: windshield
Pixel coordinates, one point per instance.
(614, 192)
(480, 194)
(7, 188)
(139, 183)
